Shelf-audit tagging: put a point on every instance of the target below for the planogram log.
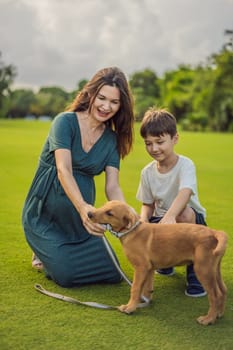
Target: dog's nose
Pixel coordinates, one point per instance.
(89, 214)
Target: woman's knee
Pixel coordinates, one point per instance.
(63, 279)
(61, 274)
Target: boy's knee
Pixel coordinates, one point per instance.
(187, 215)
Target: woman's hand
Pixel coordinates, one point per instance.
(91, 227)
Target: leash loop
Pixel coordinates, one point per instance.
(40, 289)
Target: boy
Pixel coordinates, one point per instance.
(168, 185)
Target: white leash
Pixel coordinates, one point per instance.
(108, 247)
(40, 289)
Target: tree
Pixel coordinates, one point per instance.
(146, 90)
(177, 89)
(81, 84)
(21, 101)
(50, 101)
(197, 118)
(229, 43)
(147, 81)
(54, 90)
(221, 102)
(7, 75)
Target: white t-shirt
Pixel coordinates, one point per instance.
(162, 189)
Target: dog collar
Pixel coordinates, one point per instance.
(108, 227)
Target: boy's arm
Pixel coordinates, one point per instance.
(147, 211)
(178, 205)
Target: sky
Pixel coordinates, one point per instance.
(60, 42)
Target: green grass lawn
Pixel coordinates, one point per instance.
(29, 320)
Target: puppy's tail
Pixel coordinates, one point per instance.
(222, 243)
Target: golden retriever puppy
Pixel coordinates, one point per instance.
(149, 247)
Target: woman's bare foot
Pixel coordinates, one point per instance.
(36, 263)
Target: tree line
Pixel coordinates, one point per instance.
(201, 96)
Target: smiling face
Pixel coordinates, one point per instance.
(106, 103)
(161, 148)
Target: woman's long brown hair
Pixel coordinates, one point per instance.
(123, 121)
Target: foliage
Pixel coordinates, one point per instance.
(177, 89)
(201, 89)
(21, 101)
(142, 103)
(51, 100)
(7, 75)
(147, 80)
(146, 90)
(221, 100)
(81, 84)
(30, 320)
(200, 97)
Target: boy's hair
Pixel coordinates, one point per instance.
(157, 122)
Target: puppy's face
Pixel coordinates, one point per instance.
(118, 214)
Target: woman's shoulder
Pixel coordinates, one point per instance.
(64, 125)
(65, 115)
(64, 119)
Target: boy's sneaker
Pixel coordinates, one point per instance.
(194, 287)
(195, 291)
(166, 272)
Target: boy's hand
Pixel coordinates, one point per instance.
(168, 220)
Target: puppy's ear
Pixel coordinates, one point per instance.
(128, 223)
(130, 218)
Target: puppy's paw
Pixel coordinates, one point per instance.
(126, 309)
(206, 320)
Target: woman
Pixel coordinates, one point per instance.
(89, 138)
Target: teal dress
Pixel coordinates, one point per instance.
(52, 225)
